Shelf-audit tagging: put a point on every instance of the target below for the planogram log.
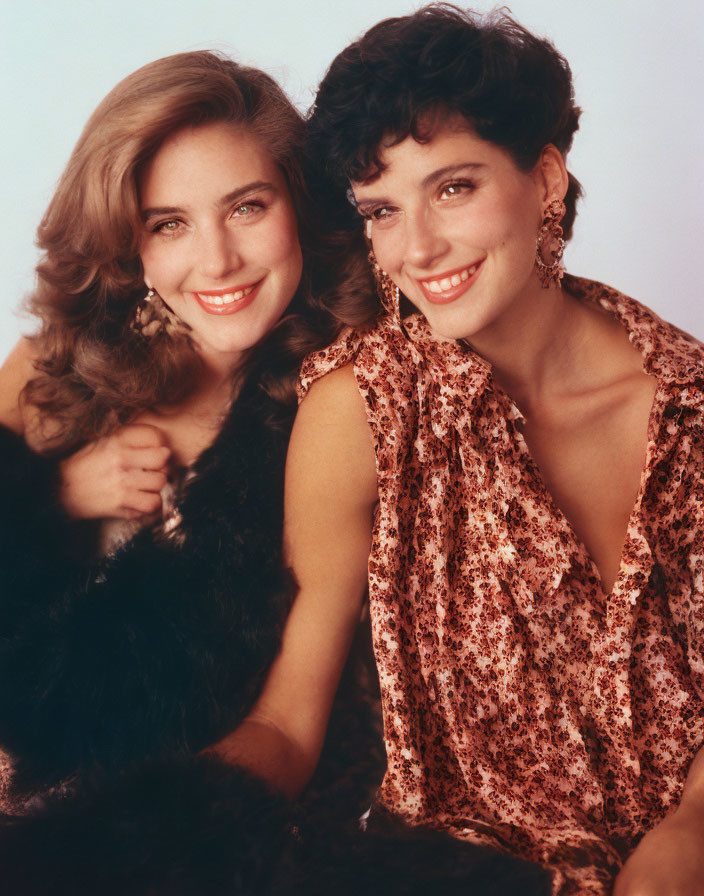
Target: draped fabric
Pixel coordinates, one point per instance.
(524, 707)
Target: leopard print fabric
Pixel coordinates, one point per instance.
(523, 707)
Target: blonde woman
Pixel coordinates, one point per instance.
(144, 433)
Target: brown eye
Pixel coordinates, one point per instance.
(167, 227)
(454, 190)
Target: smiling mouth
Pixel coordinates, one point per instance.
(451, 285)
(225, 298)
(227, 302)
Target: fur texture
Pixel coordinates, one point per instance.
(396, 860)
(160, 649)
(114, 675)
(33, 546)
(180, 827)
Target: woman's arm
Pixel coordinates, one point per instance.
(119, 475)
(330, 499)
(669, 860)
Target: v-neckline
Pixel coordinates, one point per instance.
(654, 421)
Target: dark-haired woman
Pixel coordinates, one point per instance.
(518, 456)
(145, 429)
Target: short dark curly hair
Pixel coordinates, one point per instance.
(513, 88)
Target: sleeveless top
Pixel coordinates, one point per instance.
(523, 707)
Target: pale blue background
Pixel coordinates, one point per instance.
(638, 70)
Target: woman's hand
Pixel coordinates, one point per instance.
(120, 475)
(669, 860)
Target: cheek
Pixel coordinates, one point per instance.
(387, 246)
(283, 244)
(166, 264)
(155, 262)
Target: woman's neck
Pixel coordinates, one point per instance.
(552, 343)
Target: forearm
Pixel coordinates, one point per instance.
(264, 750)
(669, 860)
(693, 794)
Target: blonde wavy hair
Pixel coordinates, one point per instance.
(94, 372)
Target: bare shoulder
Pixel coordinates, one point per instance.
(331, 435)
(16, 371)
(336, 389)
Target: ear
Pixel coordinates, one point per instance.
(550, 174)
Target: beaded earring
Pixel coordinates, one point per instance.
(152, 315)
(550, 246)
(387, 290)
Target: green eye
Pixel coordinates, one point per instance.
(167, 227)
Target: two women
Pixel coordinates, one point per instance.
(513, 456)
(518, 456)
(143, 446)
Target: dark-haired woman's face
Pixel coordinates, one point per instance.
(454, 223)
(220, 240)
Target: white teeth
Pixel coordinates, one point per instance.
(226, 299)
(446, 283)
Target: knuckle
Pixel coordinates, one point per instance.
(152, 435)
(153, 502)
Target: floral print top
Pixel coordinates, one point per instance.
(523, 707)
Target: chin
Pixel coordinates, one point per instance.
(451, 325)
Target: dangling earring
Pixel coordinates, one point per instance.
(550, 246)
(386, 288)
(152, 315)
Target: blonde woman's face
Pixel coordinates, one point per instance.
(220, 239)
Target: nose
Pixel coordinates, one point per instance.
(425, 242)
(217, 253)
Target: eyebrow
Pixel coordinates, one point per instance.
(431, 178)
(254, 187)
(448, 170)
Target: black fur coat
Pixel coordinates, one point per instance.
(159, 649)
(114, 675)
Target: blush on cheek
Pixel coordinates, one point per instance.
(284, 241)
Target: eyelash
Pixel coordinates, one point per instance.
(162, 227)
(257, 205)
(462, 185)
(375, 214)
